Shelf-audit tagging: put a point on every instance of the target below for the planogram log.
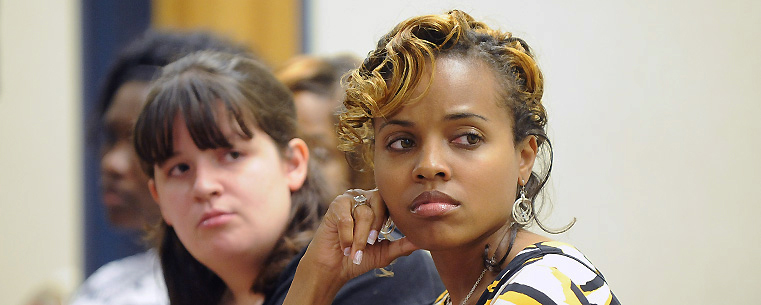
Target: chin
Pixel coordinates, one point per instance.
(434, 236)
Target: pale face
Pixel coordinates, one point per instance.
(125, 192)
(226, 203)
(446, 165)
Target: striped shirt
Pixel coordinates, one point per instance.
(547, 273)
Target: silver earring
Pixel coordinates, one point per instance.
(386, 230)
(522, 211)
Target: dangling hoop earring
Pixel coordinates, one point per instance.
(522, 211)
(386, 230)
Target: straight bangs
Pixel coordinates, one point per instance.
(203, 102)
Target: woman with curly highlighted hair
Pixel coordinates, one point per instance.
(448, 114)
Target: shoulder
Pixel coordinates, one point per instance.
(136, 279)
(419, 263)
(410, 279)
(127, 267)
(551, 273)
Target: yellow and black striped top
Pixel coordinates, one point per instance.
(547, 273)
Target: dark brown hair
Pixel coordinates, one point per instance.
(194, 87)
(383, 84)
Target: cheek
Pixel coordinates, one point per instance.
(497, 177)
(388, 168)
(381, 172)
(270, 214)
(171, 202)
(391, 182)
(267, 198)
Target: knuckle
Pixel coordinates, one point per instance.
(345, 221)
(363, 213)
(339, 199)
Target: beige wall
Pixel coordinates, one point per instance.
(653, 109)
(654, 115)
(40, 176)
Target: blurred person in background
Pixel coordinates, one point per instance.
(316, 85)
(136, 279)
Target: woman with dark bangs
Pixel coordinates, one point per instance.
(238, 197)
(448, 113)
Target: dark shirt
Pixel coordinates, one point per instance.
(414, 281)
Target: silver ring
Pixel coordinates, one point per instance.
(358, 200)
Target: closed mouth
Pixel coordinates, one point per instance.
(441, 202)
(112, 196)
(209, 216)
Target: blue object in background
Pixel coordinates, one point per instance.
(107, 26)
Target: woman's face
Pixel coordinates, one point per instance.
(225, 202)
(446, 165)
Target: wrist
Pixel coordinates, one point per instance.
(314, 283)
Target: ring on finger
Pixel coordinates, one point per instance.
(358, 200)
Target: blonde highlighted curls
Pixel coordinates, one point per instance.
(384, 83)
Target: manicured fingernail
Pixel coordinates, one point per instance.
(358, 257)
(372, 237)
(346, 251)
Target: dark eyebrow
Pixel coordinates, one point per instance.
(396, 122)
(161, 163)
(463, 115)
(448, 117)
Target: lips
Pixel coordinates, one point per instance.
(112, 197)
(214, 218)
(433, 204)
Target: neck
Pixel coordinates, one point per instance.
(249, 299)
(459, 271)
(460, 268)
(239, 274)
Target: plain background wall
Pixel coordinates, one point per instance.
(40, 168)
(653, 109)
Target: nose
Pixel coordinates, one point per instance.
(116, 160)
(206, 184)
(432, 164)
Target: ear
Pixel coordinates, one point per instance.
(152, 188)
(527, 150)
(297, 158)
(155, 195)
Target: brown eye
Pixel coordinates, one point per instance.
(178, 169)
(469, 139)
(401, 144)
(473, 139)
(232, 155)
